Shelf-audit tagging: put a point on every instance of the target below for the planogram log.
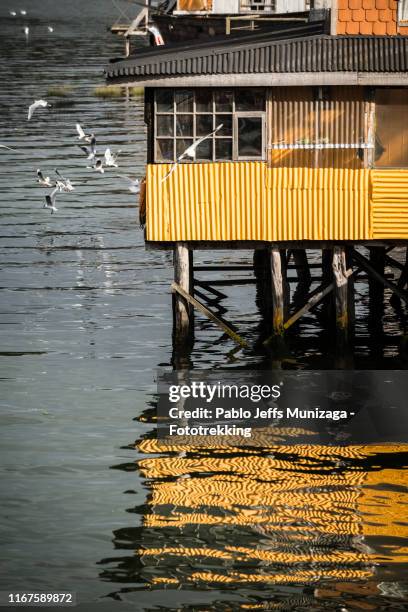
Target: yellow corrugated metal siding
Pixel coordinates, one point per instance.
(249, 201)
(389, 206)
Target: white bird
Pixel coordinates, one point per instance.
(98, 166)
(110, 160)
(64, 184)
(50, 201)
(82, 135)
(191, 151)
(23, 12)
(45, 181)
(134, 185)
(91, 150)
(50, 29)
(26, 31)
(37, 104)
(13, 13)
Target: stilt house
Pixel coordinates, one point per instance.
(309, 133)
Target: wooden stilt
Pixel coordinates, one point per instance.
(403, 279)
(341, 294)
(380, 278)
(182, 310)
(278, 287)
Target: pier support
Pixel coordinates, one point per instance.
(279, 288)
(183, 317)
(342, 299)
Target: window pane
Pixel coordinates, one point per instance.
(223, 101)
(164, 149)
(184, 125)
(165, 125)
(204, 101)
(250, 100)
(181, 145)
(204, 125)
(184, 101)
(164, 100)
(204, 150)
(223, 148)
(391, 137)
(226, 121)
(250, 137)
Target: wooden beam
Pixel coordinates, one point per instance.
(207, 312)
(278, 290)
(341, 294)
(364, 263)
(183, 313)
(314, 298)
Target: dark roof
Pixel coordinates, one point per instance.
(300, 49)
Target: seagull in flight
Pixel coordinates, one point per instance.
(91, 150)
(97, 166)
(43, 180)
(190, 151)
(50, 201)
(50, 29)
(37, 104)
(82, 135)
(23, 12)
(110, 160)
(13, 13)
(26, 31)
(134, 185)
(63, 183)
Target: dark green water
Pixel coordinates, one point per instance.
(85, 322)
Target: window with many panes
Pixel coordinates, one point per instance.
(183, 116)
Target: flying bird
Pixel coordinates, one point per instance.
(23, 12)
(98, 166)
(50, 201)
(64, 184)
(91, 150)
(50, 29)
(26, 31)
(37, 104)
(190, 151)
(43, 180)
(110, 160)
(82, 135)
(13, 13)
(134, 185)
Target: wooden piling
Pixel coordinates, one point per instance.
(183, 316)
(341, 295)
(302, 265)
(279, 290)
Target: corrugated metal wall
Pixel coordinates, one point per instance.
(248, 201)
(389, 207)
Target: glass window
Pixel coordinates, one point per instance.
(164, 100)
(165, 125)
(391, 137)
(249, 133)
(204, 150)
(223, 101)
(184, 125)
(226, 122)
(204, 101)
(183, 116)
(204, 125)
(164, 149)
(184, 101)
(223, 148)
